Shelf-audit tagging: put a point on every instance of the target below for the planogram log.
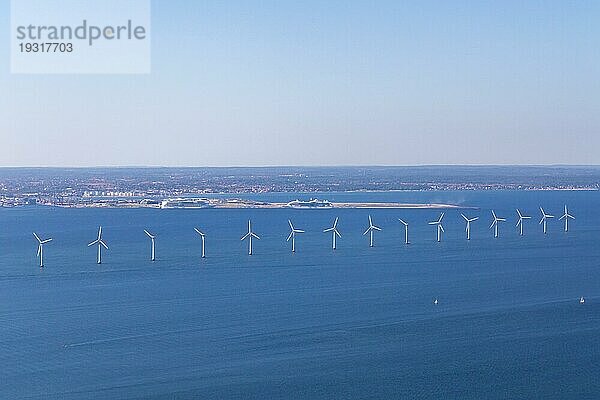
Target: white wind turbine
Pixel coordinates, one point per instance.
(566, 216)
(544, 220)
(372, 228)
(152, 251)
(203, 237)
(334, 232)
(468, 228)
(521, 221)
(292, 235)
(495, 223)
(249, 236)
(440, 228)
(40, 252)
(100, 243)
(405, 230)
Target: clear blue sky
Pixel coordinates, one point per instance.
(325, 83)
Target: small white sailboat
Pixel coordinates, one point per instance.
(581, 300)
(435, 301)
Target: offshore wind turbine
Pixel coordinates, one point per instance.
(440, 228)
(405, 230)
(203, 237)
(468, 228)
(100, 244)
(292, 235)
(566, 216)
(152, 252)
(495, 223)
(521, 220)
(249, 236)
(40, 252)
(372, 228)
(544, 220)
(334, 232)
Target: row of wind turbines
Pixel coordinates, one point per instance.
(371, 229)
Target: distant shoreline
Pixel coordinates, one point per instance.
(224, 205)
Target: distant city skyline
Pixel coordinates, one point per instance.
(243, 83)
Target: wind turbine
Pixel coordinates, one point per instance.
(152, 237)
(292, 236)
(203, 237)
(566, 217)
(544, 219)
(334, 231)
(521, 220)
(370, 231)
(495, 223)
(249, 236)
(40, 252)
(405, 230)
(100, 243)
(468, 228)
(440, 228)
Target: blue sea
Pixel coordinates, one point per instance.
(357, 323)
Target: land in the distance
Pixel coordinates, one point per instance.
(149, 187)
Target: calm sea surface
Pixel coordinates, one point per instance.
(357, 323)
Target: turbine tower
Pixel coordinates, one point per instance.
(468, 228)
(249, 236)
(152, 253)
(40, 252)
(521, 220)
(292, 235)
(334, 232)
(495, 223)
(203, 237)
(566, 216)
(544, 220)
(405, 230)
(440, 228)
(100, 243)
(372, 228)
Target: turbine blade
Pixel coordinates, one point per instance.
(99, 233)
(93, 243)
(403, 222)
(298, 231)
(199, 232)
(328, 230)
(442, 228)
(245, 236)
(255, 235)
(39, 249)
(289, 237)
(337, 233)
(335, 222)
(37, 237)
(103, 244)
(46, 241)
(376, 228)
(367, 231)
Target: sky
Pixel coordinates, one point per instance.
(259, 83)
